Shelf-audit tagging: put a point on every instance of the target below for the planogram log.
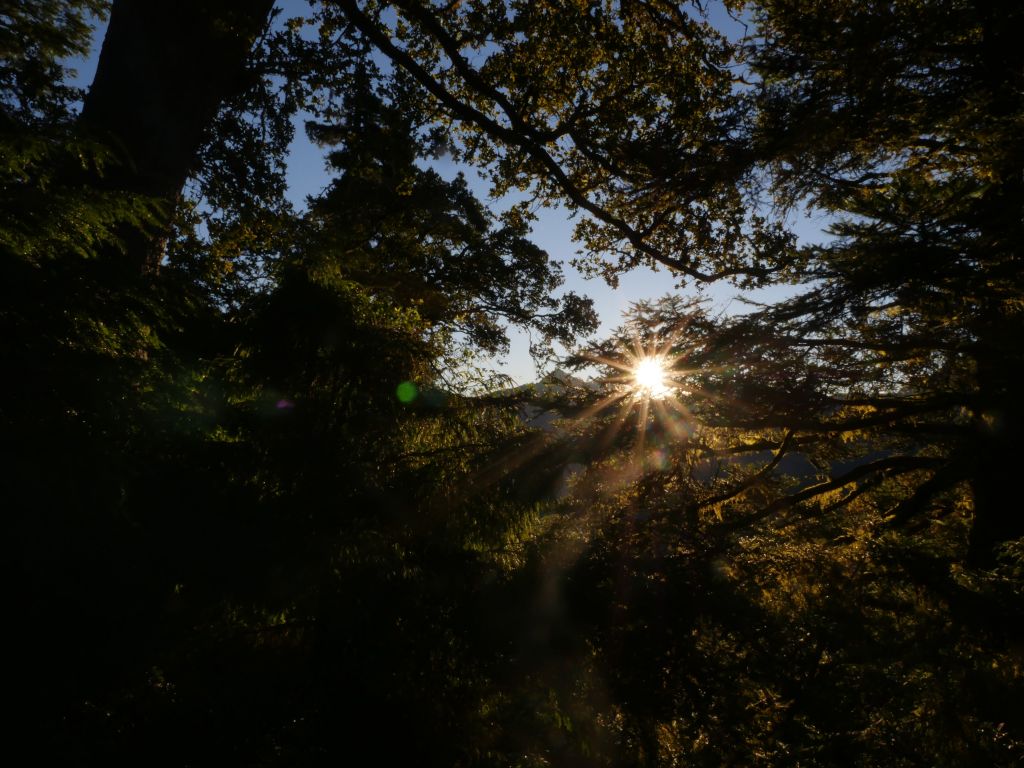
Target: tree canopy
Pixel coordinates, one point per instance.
(268, 506)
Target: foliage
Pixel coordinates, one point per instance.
(260, 515)
(222, 513)
(577, 111)
(745, 591)
(34, 40)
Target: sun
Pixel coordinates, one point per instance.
(650, 378)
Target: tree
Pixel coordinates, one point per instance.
(651, 148)
(266, 555)
(861, 426)
(164, 72)
(907, 315)
(738, 590)
(211, 478)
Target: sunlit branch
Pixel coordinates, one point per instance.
(753, 480)
(891, 466)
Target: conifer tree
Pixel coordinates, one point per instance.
(255, 518)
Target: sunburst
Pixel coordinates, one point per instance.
(646, 372)
(639, 412)
(651, 378)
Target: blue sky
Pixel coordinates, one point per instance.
(552, 231)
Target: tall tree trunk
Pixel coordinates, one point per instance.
(165, 68)
(999, 452)
(998, 510)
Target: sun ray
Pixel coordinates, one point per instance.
(679, 407)
(613, 429)
(671, 422)
(641, 421)
(622, 365)
(599, 406)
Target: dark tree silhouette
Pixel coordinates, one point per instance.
(261, 512)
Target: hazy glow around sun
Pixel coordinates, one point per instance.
(651, 377)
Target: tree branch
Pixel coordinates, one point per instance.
(893, 465)
(519, 135)
(753, 480)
